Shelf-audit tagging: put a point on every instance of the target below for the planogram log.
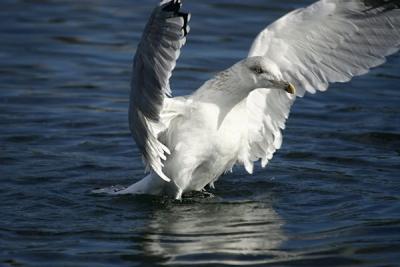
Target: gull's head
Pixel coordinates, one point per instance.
(260, 72)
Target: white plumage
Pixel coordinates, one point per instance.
(238, 116)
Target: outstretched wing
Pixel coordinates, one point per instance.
(267, 111)
(329, 41)
(155, 59)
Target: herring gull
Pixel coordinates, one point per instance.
(237, 117)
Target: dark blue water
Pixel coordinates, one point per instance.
(330, 197)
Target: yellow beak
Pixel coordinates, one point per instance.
(291, 89)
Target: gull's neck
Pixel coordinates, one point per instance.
(226, 89)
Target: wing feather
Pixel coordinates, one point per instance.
(329, 41)
(154, 61)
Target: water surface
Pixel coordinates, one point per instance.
(330, 196)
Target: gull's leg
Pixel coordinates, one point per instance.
(208, 194)
(211, 185)
(179, 193)
(199, 194)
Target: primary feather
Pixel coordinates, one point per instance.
(155, 59)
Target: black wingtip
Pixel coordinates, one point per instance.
(186, 19)
(382, 5)
(172, 6)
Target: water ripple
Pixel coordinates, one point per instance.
(330, 196)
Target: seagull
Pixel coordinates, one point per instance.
(237, 117)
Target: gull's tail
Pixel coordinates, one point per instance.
(149, 185)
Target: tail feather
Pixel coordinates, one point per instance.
(149, 185)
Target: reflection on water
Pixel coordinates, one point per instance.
(215, 232)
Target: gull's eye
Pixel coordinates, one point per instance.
(257, 70)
